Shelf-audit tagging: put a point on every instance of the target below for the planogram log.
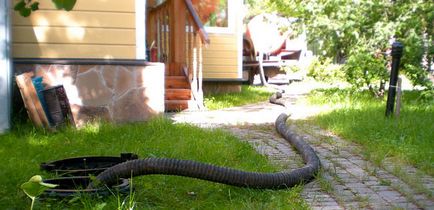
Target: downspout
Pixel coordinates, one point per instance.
(5, 67)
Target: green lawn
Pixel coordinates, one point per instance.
(359, 117)
(248, 95)
(23, 149)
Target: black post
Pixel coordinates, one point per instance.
(397, 48)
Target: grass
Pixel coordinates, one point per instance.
(359, 117)
(248, 95)
(23, 149)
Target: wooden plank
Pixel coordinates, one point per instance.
(71, 35)
(28, 104)
(176, 105)
(178, 94)
(177, 37)
(74, 51)
(31, 100)
(176, 82)
(76, 18)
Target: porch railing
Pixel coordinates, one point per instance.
(177, 37)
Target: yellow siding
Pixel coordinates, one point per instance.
(75, 18)
(95, 5)
(93, 29)
(220, 58)
(73, 51)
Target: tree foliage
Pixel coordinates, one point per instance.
(354, 32)
(26, 7)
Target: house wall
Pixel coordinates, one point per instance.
(222, 59)
(104, 29)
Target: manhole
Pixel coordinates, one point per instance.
(71, 186)
(84, 166)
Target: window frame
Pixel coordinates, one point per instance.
(231, 21)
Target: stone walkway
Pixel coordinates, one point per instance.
(346, 181)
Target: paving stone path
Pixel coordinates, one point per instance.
(346, 181)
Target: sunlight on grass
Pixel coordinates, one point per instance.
(359, 117)
(248, 95)
(91, 128)
(38, 141)
(27, 148)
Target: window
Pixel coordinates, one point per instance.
(214, 14)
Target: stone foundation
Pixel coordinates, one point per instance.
(114, 91)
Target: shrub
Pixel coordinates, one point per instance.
(363, 69)
(325, 70)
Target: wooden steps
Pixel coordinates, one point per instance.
(173, 82)
(177, 93)
(176, 105)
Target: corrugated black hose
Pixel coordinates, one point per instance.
(276, 99)
(219, 174)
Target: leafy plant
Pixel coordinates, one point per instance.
(26, 7)
(325, 70)
(35, 187)
(338, 27)
(364, 69)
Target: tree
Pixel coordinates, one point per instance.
(26, 7)
(356, 31)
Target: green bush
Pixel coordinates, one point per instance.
(325, 70)
(364, 69)
(337, 27)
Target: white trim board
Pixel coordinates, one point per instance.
(140, 29)
(5, 67)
